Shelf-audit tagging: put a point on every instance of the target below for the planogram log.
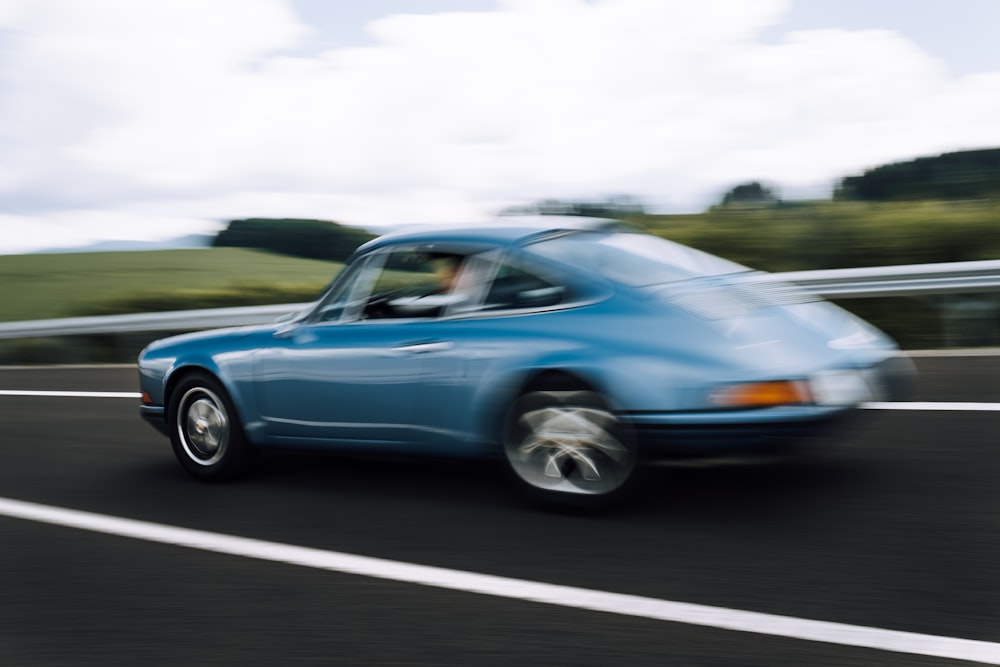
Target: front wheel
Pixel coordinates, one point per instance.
(205, 433)
(568, 447)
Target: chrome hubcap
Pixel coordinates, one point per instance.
(568, 444)
(203, 426)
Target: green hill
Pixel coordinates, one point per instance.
(65, 285)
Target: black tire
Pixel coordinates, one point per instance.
(205, 431)
(566, 447)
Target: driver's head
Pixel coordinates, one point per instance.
(446, 270)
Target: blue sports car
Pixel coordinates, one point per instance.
(570, 349)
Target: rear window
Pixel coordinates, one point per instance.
(633, 259)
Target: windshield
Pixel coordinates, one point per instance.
(632, 258)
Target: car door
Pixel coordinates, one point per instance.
(352, 371)
(499, 331)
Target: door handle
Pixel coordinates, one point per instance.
(424, 347)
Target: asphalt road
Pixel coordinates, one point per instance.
(895, 529)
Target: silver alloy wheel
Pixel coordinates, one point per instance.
(203, 426)
(567, 441)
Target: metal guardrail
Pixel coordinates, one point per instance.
(181, 320)
(907, 280)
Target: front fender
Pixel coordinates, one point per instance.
(226, 355)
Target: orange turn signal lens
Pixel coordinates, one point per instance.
(146, 398)
(763, 394)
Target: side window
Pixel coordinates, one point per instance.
(517, 288)
(408, 283)
(350, 291)
(415, 283)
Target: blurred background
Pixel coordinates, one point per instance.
(172, 155)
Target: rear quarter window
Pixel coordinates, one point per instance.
(633, 259)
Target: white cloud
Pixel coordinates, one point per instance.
(176, 110)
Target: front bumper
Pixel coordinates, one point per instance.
(155, 416)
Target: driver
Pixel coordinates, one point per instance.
(439, 295)
(446, 269)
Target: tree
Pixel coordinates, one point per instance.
(312, 239)
(954, 176)
(752, 194)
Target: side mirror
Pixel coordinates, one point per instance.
(287, 325)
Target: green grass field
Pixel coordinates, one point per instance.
(67, 285)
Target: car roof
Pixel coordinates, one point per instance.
(502, 230)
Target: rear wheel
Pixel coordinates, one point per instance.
(568, 446)
(205, 433)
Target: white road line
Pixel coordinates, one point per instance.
(930, 406)
(518, 589)
(72, 394)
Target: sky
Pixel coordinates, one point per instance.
(150, 120)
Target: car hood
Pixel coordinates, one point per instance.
(231, 333)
